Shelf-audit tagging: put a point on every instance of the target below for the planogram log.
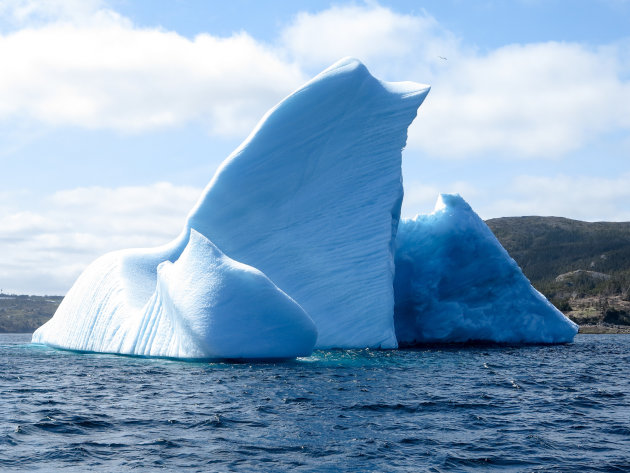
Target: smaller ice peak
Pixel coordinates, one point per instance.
(449, 203)
(187, 300)
(445, 203)
(454, 282)
(219, 308)
(452, 202)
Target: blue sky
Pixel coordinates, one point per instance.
(114, 114)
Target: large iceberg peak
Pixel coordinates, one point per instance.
(312, 198)
(347, 65)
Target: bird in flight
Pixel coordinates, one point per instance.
(443, 58)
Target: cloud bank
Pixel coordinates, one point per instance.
(99, 71)
(95, 69)
(47, 247)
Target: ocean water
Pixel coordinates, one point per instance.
(435, 409)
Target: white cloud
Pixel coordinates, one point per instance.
(89, 67)
(540, 100)
(45, 250)
(581, 198)
(31, 12)
(388, 42)
(537, 100)
(102, 72)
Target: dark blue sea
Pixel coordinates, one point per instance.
(475, 408)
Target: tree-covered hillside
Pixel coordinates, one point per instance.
(23, 314)
(546, 247)
(582, 267)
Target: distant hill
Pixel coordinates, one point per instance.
(582, 267)
(24, 314)
(546, 247)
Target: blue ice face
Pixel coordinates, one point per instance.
(456, 283)
(312, 199)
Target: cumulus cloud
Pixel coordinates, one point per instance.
(20, 12)
(101, 72)
(390, 43)
(46, 249)
(522, 101)
(579, 197)
(539, 100)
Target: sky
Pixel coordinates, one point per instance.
(115, 114)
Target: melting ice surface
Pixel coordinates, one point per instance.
(291, 247)
(456, 283)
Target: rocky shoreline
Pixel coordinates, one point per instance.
(601, 329)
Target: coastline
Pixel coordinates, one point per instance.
(604, 329)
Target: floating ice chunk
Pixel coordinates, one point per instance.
(456, 283)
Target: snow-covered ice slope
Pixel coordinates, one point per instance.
(312, 198)
(205, 305)
(455, 282)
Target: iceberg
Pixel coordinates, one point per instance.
(456, 283)
(296, 228)
(297, 243)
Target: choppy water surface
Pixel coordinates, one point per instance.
(542, 408)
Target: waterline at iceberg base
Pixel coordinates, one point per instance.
(292, 246)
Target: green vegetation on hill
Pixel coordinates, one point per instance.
(546, 247)
(582, 267)
(24, 314)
